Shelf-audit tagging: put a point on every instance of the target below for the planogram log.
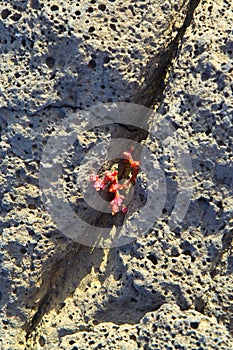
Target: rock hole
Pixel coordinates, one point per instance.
(54, 8)
(5, 13)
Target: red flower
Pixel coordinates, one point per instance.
(110, 181)
(114, 187)
(98, 183)
(116, 203)
(128, 156)
(111, 175)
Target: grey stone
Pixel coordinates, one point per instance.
(172, 288)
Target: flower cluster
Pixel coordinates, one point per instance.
(110, 182)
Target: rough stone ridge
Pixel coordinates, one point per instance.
(170, 289)
(81, 53)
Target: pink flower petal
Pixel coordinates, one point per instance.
(124, 210)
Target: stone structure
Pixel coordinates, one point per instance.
(171, 289)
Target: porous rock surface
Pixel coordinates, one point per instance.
(172, 288)
(80, 53)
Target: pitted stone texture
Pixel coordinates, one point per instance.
(168, 328)
(80, 53)
(77, 293)
(120, 288)
(199, 100)
(28, 237)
